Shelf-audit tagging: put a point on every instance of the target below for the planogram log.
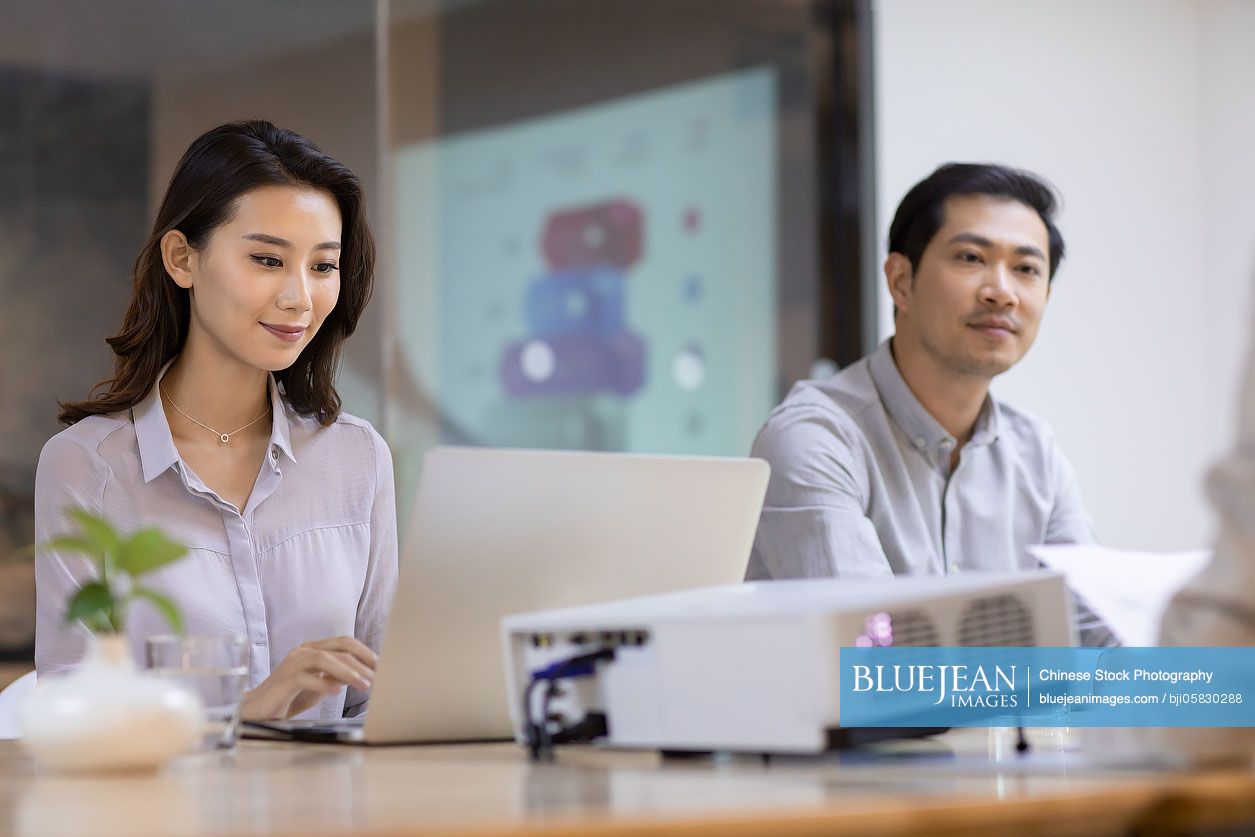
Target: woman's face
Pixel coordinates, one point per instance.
(265, 281)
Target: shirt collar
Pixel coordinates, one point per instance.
(156, 446)
(923, 431)
(280, 428)
(988, 423)
(157, 452)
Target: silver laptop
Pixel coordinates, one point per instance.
(496, 532)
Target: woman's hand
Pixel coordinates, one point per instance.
(311, 672)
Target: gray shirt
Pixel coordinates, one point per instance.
(861, 484)
(312, 555)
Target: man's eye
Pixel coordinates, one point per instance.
(1030, 269)
(325, 267)
(267, 261)
(969, 257)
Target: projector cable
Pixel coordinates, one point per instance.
(539, 739)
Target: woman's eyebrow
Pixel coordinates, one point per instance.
(283, 242)
(268, 239)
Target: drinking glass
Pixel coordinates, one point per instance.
(215, 668)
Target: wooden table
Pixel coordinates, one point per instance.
(963, 783)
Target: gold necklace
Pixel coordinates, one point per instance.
(223, 438)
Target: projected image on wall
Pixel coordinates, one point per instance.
(578, 342)
(597, 279)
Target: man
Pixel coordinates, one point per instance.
(902, 463)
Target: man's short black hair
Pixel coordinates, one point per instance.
(922, 212)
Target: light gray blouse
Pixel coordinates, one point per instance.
(313, 555)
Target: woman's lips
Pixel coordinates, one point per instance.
(285, 335)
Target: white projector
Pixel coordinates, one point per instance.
(749, 667)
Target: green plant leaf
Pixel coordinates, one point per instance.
(97, 530)
(167, 607)
(93, 604)
(73, 545)
(147, 550)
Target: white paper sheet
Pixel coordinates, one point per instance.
(1129, 591)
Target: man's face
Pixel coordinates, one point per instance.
(975, 299)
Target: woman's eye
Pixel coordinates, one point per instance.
(267, 261)
(325, 267)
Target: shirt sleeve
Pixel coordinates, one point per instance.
(814, 521)
(68, 475)
(1069, 522)
(381, 566)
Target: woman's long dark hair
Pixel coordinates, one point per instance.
(220, 166)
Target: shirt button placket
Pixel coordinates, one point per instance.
(952, 534)
(244, 564)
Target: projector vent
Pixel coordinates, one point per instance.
(913, 627)
(996, 620)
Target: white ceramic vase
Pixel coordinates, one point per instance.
(105, 715)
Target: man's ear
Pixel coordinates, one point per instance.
(178, 256)
(900, 278)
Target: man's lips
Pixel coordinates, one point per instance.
(288, 333)
(995, 327)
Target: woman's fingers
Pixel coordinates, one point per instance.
(312, 672)
(351, 646)
(341, 667)
(312, 681)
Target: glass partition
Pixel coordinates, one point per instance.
(609, 222)
(602, 224)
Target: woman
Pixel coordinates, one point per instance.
(221, 424)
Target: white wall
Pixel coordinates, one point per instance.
(1141, 113)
